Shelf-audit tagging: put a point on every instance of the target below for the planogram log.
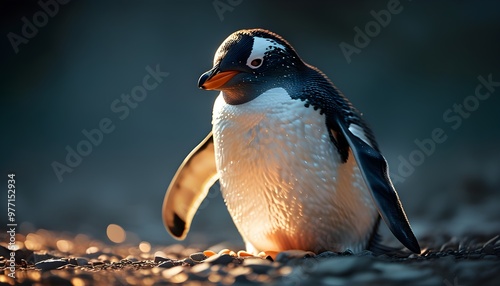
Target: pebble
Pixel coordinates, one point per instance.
(94, 262)
(35, 258)
(208, 253)
(158, 259)
(168, 273)
(198, 256)
(51, 264)
(242, 279)
(476, 255)
(239, 271)
(342, 265)
(367, 253)
(258, 265)
(4, 251)
(329, 280)
(202, 269)
(285, 256)
(401, 272)
(132, 258)
(56, 280)
(223, 259)
(79, 261)
(188, 261)
(166, 264)
(327, 254)
(364, 277)
(492, 241)
(489, 249)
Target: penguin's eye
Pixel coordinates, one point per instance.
(255, 63)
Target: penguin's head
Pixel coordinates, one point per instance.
(248, 63)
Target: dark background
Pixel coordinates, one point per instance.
(65, 78)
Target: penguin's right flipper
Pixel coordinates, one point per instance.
(189, 187)
(374, 169)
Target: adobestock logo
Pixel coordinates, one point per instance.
(372, 29)
(454, 117)
(29, 29)
(121, 107)
(223, 6)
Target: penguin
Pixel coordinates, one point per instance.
(298, 166)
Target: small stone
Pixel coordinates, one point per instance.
(241, 279)
(56, 280)
(364, 277)
(285, 256)
(340, 266)
(237, 271)
(172, 272)
(327, 254)
(132, 258)
(243, 253)
(489, 249)
(475, 255)
(329, 280)
(365, 253)
(224, 251)
(166, 264)
(492, 241)
(51, 264)
(96, 262)
(209, 253)
(189, 261)
(159, 259)
(347, 252)
(198, 256)
(258, 265)
(402, 272)
(202, 269)
(37, 257)
(78, 261)
(223, 259)
(4, 251)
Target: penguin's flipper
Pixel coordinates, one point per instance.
(189, 187)
(373, 167)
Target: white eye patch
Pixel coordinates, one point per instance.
(260, 47)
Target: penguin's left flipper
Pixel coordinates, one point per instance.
(189, 187)
(373, 167)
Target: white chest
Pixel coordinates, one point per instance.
(282, 178)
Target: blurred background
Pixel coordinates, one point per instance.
(65, 67)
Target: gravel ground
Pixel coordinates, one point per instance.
(49, 258)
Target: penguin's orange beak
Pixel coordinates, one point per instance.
(211, 80)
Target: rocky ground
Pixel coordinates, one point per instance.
(48, 258)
